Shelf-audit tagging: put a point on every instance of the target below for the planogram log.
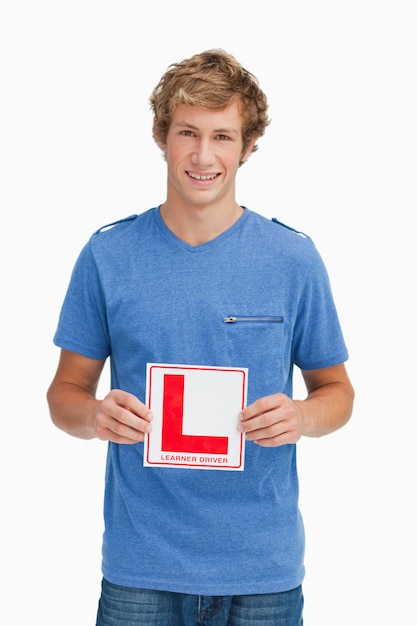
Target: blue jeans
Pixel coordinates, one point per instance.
(127, 606)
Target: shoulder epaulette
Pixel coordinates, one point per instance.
(297, 232)
(121, 221)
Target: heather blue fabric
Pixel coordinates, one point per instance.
(138, 294)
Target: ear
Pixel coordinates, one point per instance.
(156, 135)
(248, 151)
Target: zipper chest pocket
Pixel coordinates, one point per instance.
(233, 319)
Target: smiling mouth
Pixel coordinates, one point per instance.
(203, 176)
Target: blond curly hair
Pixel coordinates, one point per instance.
(212, 79)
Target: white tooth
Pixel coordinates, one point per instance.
(197, 177)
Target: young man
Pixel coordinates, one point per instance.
(202, 281)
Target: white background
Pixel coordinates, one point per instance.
(338, 162)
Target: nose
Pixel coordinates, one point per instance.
(203, 154)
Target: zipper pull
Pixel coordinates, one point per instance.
(230, 320)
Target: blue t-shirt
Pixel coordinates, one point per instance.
(139, 295)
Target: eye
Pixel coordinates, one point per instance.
(223, 137)
(187, 133)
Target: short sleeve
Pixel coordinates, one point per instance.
(82, 325)
(318, 340)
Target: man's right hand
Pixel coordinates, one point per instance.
(122, 418)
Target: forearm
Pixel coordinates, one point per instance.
(73, 409)
(120, 417)
(326, 409)
(276, 419)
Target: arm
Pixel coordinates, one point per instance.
(276, 420)
(120, 417)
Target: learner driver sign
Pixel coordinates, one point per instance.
(195, 412)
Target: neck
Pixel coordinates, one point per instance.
(198, 225)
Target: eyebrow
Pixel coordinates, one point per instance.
(231, 131)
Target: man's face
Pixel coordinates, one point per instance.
(203, 150)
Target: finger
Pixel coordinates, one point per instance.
(135, 420)
(274, 442)
(120, 425)
(275, 435)
(130, 402)
(262, 405)
(126, 409)
(112, 429)
(129, 424)
(106, 434)
(260, 421)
